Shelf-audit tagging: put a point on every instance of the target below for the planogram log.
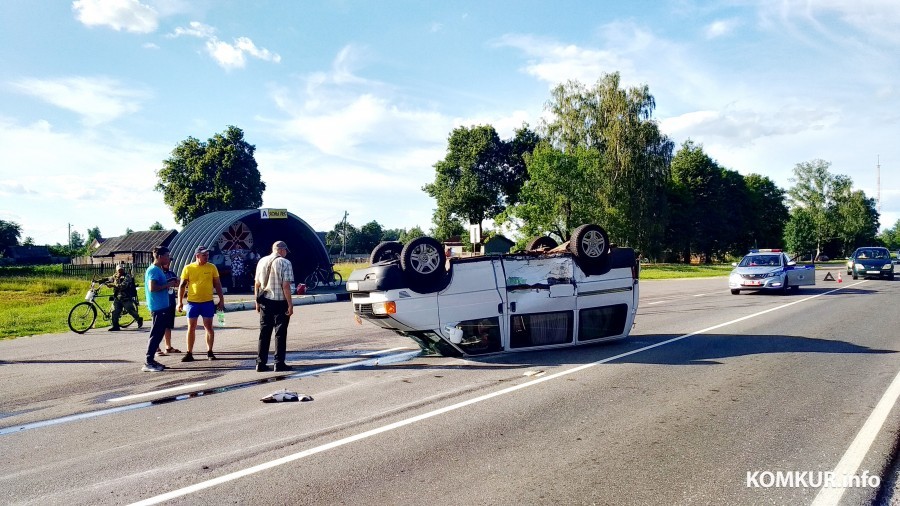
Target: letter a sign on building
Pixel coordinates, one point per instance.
(273, 214)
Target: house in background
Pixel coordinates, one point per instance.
(135, 248)
(497, 244)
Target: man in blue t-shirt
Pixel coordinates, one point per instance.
(157, 287)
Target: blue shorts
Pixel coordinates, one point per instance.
(198, 309)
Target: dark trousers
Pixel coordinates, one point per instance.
(273, 316)
(161, 321)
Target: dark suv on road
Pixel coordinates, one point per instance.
(871, 261)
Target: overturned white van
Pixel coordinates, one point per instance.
(580, 292)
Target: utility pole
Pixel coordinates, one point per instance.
(70, 238)
(344, 236)
(878, 180)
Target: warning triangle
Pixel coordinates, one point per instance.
(828, 277)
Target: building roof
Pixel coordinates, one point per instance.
(135, 241)
(306, 249)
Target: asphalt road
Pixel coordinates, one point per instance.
(711, 397)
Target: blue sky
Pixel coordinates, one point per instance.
(350, 103)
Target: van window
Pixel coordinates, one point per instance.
(599, 322)
(481, 336)
(541, 329)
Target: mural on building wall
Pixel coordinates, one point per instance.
(238, 259)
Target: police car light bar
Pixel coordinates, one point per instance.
(765, 250)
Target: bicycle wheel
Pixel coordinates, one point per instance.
(336, 278)
(82, 317)
(312, 281)
(125, 319)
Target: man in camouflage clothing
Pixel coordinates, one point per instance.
(124, 297)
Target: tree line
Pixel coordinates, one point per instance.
(600, 157)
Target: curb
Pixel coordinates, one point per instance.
(298, 300)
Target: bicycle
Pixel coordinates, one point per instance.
(323, 276)
(84, 314)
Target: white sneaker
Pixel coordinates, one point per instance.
(153, 368)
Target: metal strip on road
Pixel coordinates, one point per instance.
(424, 416)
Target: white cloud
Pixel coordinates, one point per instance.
(83, 179)
(97, 99)
(195, 29)
(227, 55)
(129, 15)
(720, 28)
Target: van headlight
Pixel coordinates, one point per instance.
(384, 308)
(352, 286)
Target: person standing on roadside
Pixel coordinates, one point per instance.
(197, 282)
(156, 287)
(274, 275)
(173, 301)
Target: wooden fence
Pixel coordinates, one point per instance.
(101, 270)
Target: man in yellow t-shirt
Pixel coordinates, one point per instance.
(197, 282)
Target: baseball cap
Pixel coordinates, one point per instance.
(280, 244)
(201, 250)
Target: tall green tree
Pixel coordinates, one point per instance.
(856, 219)
(217, 175)
(369, 236)
(891, 237)
(446, 225)
(76, 243)
(814, 191)
(468, 181)
(768, 212)
(9, 234)
(409, 235)
(157, 227)
(560, 193)
(334, 240)
(800, 231)
(697, 223)
(618, 123)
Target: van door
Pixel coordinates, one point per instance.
(540, 301)
(474, 302)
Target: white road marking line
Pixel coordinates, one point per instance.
(850, 462)
(383, 351)
(657, 302)
(424, 416)
(155, 392)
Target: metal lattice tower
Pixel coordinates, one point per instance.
(878, 181)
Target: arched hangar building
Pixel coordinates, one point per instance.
(237, 239)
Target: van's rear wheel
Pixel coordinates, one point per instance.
(387, 250)
(424, 264)
(541, 242)
(589, 245)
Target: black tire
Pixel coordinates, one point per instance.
(386, 251)
(735, 292)
(590, 246)
(424, 264)
(336, 278)
(125, 319)
(82, 317)
(541, 242)
(311, 281)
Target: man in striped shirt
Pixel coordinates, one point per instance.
(274, 275)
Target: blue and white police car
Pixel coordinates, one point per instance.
(769, 269)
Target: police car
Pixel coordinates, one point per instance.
(582, 291)
(769, 269)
